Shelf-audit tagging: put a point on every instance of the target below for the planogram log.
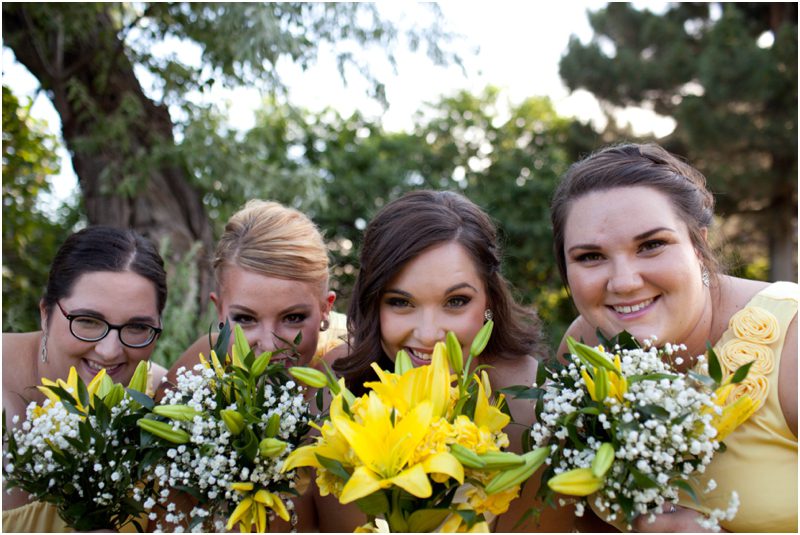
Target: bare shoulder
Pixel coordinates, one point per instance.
(580, 330)
(19, 352)
(787, 378)
(338, 352)
(735, 293)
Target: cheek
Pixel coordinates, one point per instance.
(584, 286)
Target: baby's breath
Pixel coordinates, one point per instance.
(661, 430)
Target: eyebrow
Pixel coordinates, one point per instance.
(449, 290)
(94, 313)
(638, 237)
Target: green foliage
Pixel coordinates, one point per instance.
(732, 94)
(30, 237)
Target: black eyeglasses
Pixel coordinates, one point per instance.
(92, 329)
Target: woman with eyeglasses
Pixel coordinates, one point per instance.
(101, 309)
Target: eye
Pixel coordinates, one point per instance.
(397, 302)
(585, 258)
(652, 245)
(295, 318)
(243, 319)
(137, 328)
(458, 301)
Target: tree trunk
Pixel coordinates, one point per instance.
(121, 142)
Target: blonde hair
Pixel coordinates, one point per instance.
(273, 240)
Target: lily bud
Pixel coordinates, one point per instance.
(139, 378)
(164, 430)
(402, 362)
(577, 482)
(176, 412)
(309, 376)
(233, 421)
(270, 447)
(454, 352)
(603, 460)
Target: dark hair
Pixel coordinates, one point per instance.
(646, 165)
(101, 248)
(401, 231)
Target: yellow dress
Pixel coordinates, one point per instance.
(760, 463)
(334, 335)
(42, 517)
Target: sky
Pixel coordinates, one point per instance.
(519, 45)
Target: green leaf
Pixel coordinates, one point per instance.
(651, 377)
(142, 399)
(427, 520)
(741, 372)
(522, 392)
(687, 488)
(376, 504)
(336, 468)
(240, 342)
(247, 444)
(702, 379)
(654, 410)
(714, 369)
(223, 340)
(643, 480)
(83, 393)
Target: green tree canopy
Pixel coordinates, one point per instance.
(727, 73)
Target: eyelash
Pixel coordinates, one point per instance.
(397, 302)
(652, 244)
(462, 298)
(295, 318)
(242, 319)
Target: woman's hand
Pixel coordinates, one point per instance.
(675, 520)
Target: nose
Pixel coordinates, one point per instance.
(624, 277)
(429, 329)
(110, 347)
(261, 339)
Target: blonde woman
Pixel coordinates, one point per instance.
(271, 271)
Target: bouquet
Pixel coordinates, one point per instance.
(417, 453)
(80, 450)
(225, 429)
(627, 431)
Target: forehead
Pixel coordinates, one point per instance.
(247, 288)
(624, 211)
(437, 268)
(124, 292)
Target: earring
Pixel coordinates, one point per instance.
(44, 347)
(323, 325)
(705, 277)
(487, 314)
(220, 325)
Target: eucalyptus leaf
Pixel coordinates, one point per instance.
(687, 488)
(142, 399)
(714, 369)
(741, 372)
(334, 467)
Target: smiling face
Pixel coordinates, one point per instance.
(269, 308)
(118, 298)
(631, 266)
(438, 291)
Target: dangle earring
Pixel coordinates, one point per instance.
(487, 315)
(705, 277)
(44, 347)
(323, 325)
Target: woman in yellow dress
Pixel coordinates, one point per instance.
(430, 263)
(630, 227)
(271, 271)
(101, 280)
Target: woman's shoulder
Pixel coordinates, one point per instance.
(19, 351)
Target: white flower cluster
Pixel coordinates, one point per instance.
(661, 432)
(210, 463)
(86, 468)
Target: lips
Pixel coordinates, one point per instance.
(632, 308)
(96, 367)
(419, 357)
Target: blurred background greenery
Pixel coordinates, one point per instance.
(176, 170)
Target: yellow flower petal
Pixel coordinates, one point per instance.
(241, 509)
(362, 482)
(444, 463)
(414, 481)
(576, 482)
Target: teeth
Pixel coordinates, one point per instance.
(420, 356)
(97, 367)
(634, 308)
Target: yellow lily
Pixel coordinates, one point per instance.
(486, 414)
(576, 482)
(454, 523)
(615, 385)
(426, 383)
(384, 445)
(71, 385)
(252, 510)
